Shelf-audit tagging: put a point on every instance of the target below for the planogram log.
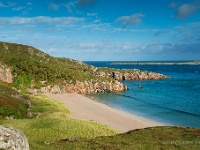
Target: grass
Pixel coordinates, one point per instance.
(30, 66)
(155, 138)
(53, 124)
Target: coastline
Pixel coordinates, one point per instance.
(84, 108)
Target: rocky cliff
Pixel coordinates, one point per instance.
(95, 86)
(129, 74)
(12, 139)
(87, 87)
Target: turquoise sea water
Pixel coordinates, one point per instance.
(174, 101)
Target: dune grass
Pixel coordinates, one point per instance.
(53, 124)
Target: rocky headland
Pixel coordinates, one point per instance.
(92, 86)
(28, 68)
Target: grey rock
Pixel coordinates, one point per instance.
(12, 139)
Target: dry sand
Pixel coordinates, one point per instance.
(84, 108)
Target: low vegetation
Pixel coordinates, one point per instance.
(155, 138)
(30, 66)
(52, 123)
(12, 103)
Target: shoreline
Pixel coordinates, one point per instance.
(85, 108)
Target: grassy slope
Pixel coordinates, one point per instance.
(53, 123)
(39, 66)
(155, 138)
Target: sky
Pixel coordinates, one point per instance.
(105, 30)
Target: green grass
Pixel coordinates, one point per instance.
(53, 123)
(43, 104)
(30, 66)
(155, 138)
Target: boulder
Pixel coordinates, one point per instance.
(12, 139)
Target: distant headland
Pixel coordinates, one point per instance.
(157, 63)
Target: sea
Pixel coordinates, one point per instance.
(174, 101)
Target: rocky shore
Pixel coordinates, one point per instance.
(113, 83)
(87, 87)
(129, 74)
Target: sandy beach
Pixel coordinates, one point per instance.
(83, 108)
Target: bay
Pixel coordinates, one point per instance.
(174, 101)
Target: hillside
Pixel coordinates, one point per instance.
(40, 66)
(154, 138)
(36, 70)
(30, 70)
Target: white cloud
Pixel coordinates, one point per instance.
(42, 20)
(97, 26)
(134, 19)
(70, 6)
(56, 5)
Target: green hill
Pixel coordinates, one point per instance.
(34, 65)
(32, 68)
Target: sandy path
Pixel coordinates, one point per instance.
(86, 109)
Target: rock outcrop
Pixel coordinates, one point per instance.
(93, 86)
(87, 87)
(5, 74)
(133, 74)
(12, 139)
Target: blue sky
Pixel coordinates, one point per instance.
(89, 30)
